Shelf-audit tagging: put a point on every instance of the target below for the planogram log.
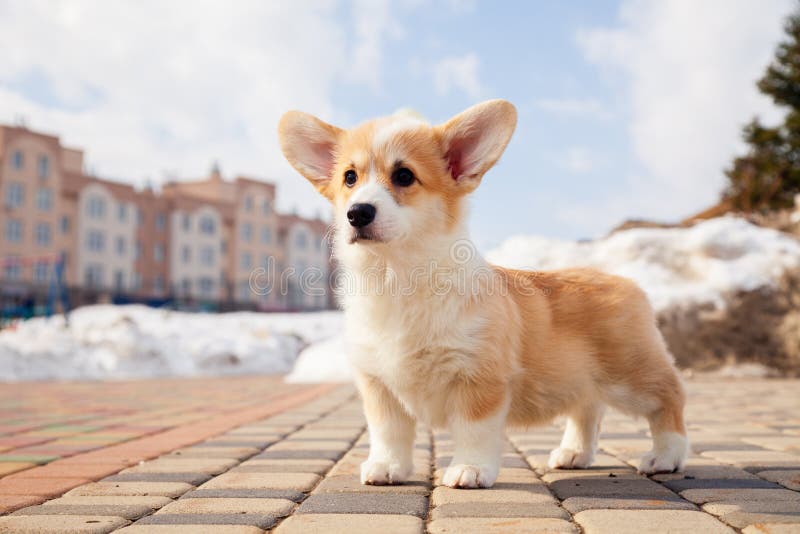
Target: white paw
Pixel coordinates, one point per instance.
(563, 458)
(377, 473)
(668, 456)
(470, 476)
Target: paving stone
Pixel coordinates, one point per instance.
(499, 493)
(789, 478)
(314, 445)
(719, 483)
(579, 504)
(6, 468)
(257, 493)
(771, 528)
(319, 467)
(237, 453)
(755, 460)
(163, 489)
(649, 521)
(742, 513)
(127, 511)
(295, 481)
(365, 503)
(353, 523)
(255, 520)
(508, 525)
(67, 468)
(275, 507)
(701, 496)
(171, 464)
(300, 455)
(195, 479)
(244, 443)
(152, 502)
(9, 503)
(44, 487)
(190, 529)
(499, 509)
(352, 483)
(40, 524)
(640, 488)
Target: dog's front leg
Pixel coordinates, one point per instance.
(478, 450)
(391, 435)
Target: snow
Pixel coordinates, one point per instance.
(136, 341)
(677, 267)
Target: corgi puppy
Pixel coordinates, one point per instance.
(438, 335)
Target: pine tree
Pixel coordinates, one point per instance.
(768, 177)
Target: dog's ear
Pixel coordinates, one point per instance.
(309, 144)
(475, 139)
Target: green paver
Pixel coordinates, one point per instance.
(30, 458)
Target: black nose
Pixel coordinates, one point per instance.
(361, 215)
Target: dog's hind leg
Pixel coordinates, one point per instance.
(579, 443)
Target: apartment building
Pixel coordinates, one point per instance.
(208, 240)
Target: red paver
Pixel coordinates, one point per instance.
(9, 503)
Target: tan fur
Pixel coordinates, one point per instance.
(521, 346)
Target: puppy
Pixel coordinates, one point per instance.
(438, 335)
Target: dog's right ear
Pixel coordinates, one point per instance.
(309, 144)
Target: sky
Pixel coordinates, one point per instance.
(627, 108)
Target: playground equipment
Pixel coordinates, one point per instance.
(19, 298)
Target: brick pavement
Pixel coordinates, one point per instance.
(245, 455)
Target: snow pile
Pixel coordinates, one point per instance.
(677, 267)
(137, 341)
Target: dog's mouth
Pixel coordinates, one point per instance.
(362, 235)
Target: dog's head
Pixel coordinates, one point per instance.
(397, 178)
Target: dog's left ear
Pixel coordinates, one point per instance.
(475, 139)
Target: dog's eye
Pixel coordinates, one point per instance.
(403, 177)
(350, 178)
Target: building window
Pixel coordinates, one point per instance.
(247, 260)
(266, 207)
(158, 252)
(93, 275)
(96, 241)
(136, 281)
(207, 256)
(244, 290)
(120, 246)
(42, 234)
(186, 286)
(137, 250)
(158, 284)
(122, 212)
(14, 230)
(64, 224)
(13, 270)
(40, 271)
(301, 240)
(119, 280)
(15, 195)
(207, 225)
(139, 217)
(206, 286)
(44, 199)
(248, 203)
(43, 166)
(186, 254)
(247, 232)
(266, 235)
(161, 221)
(96, 207)
(187, 222)
(18, 160)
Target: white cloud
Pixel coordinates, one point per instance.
(687, 71)
(147, 87)
(577, 107)
(458, 73)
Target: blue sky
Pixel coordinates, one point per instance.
(626, 108)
